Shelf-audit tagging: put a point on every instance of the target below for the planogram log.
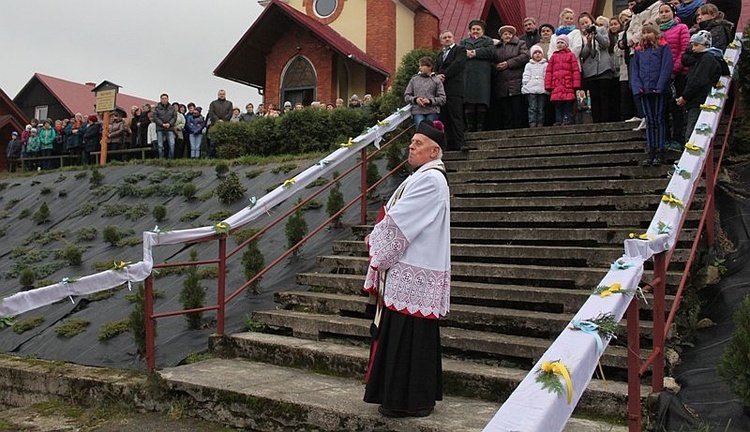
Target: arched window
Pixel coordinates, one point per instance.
(299, 82)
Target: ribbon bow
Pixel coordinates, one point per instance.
(672, 200)
(156, 229)
(591, 328)
(715, 93)
(710, 107)
(121, 265)
(383, 123)
(547, 376)
(222, 228)
(704, 129)
(252, 202)
(681, 172)
(663, 228)
(644, 236)
(289, 183)
(67, 280)
(606, 291)
(347, 144)
(693, 149)
(323, 163)
(621, 264)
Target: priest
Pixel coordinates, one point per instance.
(409, 282)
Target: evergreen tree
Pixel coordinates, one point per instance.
(335, 202)
(193, 295)
(230, 189)
(373, 174)
(26, 278)
(42, 215)
(253, 262)
(733, 366)
(137, 320)
(296, 229)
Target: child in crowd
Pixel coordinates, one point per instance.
(425, 93)
(532, 85)
(32, 145)
(704, 72)
(709, 18)
(561, 79)
(650, 71)
(583, 107)
(677, 36)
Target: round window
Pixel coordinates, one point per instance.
(325, 8)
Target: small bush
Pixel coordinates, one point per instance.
(733, 364)
(296, 229)
(137, 321)
(12, 203)
(42, 215)
(230, 189)
(335, 203)
(284, 168)
(253, 261)
(193, 295)
(72, 254)
(113, 328)
(253, 174)
(373, 174)
(191, 216)
(221, 169)
(86, 209)
(96, 178)
(27, 278)
(102, 295)
(159, 212)
(206, 196)
(62, 193)
(45, 190)
(320, 181)
(86, 233)
(189, 190)
(134, 178)
(220, 215)
(71, 327)
(312, 205)
(111, 234)
(24, 213)
(81, 175)
(27, 324)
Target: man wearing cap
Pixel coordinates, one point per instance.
(14, 151)
(408, 279)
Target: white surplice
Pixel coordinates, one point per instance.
(412, 243)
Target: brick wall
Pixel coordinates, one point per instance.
(381, 33)
(295, 42)
(426, 29)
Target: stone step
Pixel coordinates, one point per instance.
(538, 298)
(550, 236)
(494, 142)
(578, 129)
(559, 277)
(627, 202)
(543, 162)
(563, 189)
(599, 150)
(588, 256)
(563, 219)
(340, 405)
(557, 174)
(543, 325)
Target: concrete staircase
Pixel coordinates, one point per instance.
(538, 215)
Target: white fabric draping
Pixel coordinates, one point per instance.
(530, 408)
(136, 272)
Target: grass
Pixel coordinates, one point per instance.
(27, 324)
(113, 328)
(71, 327)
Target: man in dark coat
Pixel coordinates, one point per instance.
(165, 117)
(14, 151)
(531, 32)
(449, 68)
(219, 110)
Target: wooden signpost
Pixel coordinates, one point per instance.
(106, 102)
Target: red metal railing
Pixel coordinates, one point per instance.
(655, 361)
(221, 298)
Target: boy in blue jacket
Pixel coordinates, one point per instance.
(650, 71)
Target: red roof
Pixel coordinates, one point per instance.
(10, 110)
(259, 39)
(78, 98)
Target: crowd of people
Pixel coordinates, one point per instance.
(169, 129)
(653, 64)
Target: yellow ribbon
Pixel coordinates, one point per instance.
(692, 148)
(612, 289)
(644, 236)
(289, 183)
(122, 264)
(382, 123)
(559, 368)
(709, 107)
(222, 228)
(672, 200)
(346, 144)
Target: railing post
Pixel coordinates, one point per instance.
(221, 290)
(634, 364)
(148, 312)
(659, 333)
(710, 202)
(363, 187)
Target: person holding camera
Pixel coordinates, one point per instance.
(596, 67)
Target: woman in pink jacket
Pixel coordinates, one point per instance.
(677, 35)
(562, 79)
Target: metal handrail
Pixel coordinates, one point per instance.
(222, 299)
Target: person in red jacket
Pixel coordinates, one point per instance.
(677, 36)
(561, 80)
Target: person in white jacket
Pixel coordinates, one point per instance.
(532, 85)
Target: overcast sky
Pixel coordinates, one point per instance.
(148, 47)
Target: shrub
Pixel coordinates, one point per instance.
(27, 324)
(253, 174)
(159, 212)
(189, 190)
(45, 190)
(206, 196)
(219, 215)
(113, 328)
(253, 261)
(11, 203)
(86, 209)
(71, 327)
(221, 169)
(133, 213)
(111, 234)
(96, 178)
(42, 215)
(230, 139)
(62, 193)
(296, 229)
(72, 254)
(335, 203)
(193, 295)
(191, 216)
(27, 278)
(313, 204)
(733, 364)
(230, 189)
(24, 213)
(373, 174)
(137, 321)
(284, 168)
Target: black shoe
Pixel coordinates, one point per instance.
(647, 162)
(401, 414)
